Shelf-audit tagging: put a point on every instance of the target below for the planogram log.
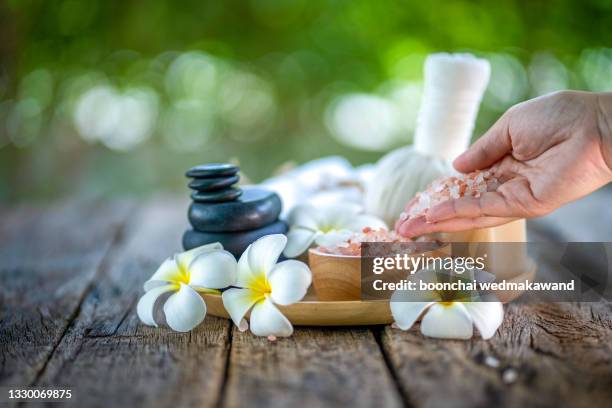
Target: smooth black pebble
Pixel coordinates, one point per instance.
(256, 208)
(212, 170)
(213, 184)
(228, 194)
(234, 242)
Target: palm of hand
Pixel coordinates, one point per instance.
(551, 161)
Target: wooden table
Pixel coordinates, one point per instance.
(72, 272)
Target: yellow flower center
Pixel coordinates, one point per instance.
(327, 228)
(184, 275)
(260, 286)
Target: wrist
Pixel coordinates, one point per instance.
(604, 126)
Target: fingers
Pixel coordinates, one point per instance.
(490, 148)
(419, 226)
(406, 210)
(490, 204)
(411, 203)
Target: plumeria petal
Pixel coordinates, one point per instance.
(333, 238)
(244, 270)
(213, 270)
(146, 305)
(359, 222)
(267, 320)
(184, 259)
(447, 321)
(248, 278)
(243, 326)
(339, 214)
(408, 305)
(298, 241)
(289, 281)
(237, 302)
(264, 252)
(167, 272)
(487, 316)
(406, 314)
(304, 216)
(185, 309)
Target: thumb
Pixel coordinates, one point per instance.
(487, 150)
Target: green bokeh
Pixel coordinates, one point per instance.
(301, 55)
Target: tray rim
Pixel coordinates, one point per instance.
(319, 312)
(346, 312)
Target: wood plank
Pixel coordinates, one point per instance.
(315, 367)
(48, 257)
(110, 359)
(561, 355)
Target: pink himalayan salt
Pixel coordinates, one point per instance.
(465, 185)
(352, 246)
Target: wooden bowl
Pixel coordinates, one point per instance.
(335, 277)
(338, 277)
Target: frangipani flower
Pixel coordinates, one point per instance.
(264, 283)
(325, 226)
(443, 318)
(204, 269)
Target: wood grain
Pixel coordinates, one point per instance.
(557, 351)
(72, 273)
(315, 367)
(111, 359)
(335, 277)
(48, 258)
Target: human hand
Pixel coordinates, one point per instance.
(546, 152)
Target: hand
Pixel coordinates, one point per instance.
(546, 152)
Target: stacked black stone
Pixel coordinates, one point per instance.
(223, 213)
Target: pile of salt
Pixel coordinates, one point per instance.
(465, 185)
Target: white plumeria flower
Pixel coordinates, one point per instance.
(264, 283)
(445, 319)
(203, 269)
(325, 226)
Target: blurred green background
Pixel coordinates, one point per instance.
(120, 97)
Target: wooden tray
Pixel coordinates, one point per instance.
(312, 312)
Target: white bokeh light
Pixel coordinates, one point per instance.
(508, 84)
(547, 74)
(364, 121)
(192, 75)
(120, 121)
(596, 68)
(406, 96)
(247, 104)
(97, 113)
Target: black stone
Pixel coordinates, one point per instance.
(213, 184)
(256, 208)
(228, 194)
(212, 170)
(234, 242)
